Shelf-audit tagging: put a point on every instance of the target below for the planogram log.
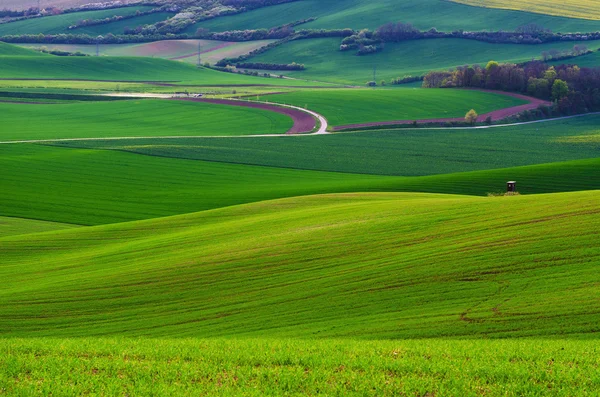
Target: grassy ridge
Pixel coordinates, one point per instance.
(342, 107)
(96, 187)
(136, 118)
(123, 69)
(57, 24)
(325, 62)
(13, 50)
(585, 61)
(118, 27)
(93, 187)
(15, 226)
(224, 367)
(425, 14)
(368, 266)
(585, 9)
(408, 152)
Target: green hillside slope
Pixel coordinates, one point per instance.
(365, 266)
(425, 14)
(136, 118)
(325, 62)
(13, 50)
(342, 107)
(125, 69)
(57, 24)
(408, 152)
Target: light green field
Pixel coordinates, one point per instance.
(362, 266)
(585, 9)
(118, 27)
(269, 367)
(142, 118)
(424, 14)
(325, 62)
(342, 107)
(16, 226)
(125, 69)
(60, 23)
(408, 152)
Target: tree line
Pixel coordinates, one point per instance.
(572, 89)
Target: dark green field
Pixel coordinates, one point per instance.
(324, 61)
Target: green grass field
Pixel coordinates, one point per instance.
(125, 69)
(585, 61)
(325, 62)
(405, 152)
(118, 27)
(97, 187)
(357, 265)
(16, 226)
(142, 118)
(342, 107)
(268, 367)
(13, 50)
(60, 23)
(424, 14)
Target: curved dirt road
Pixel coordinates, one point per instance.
(305, 121)
(496, 115)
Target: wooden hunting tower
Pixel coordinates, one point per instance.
(511, 186)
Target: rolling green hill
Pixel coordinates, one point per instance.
(408, 152)
(118, 27)
(124, 69)
(325, 62)
(342, 107)
(13, 50)
(57, 24)
(424, 14)
(16, 226)
(585, 61)
(91, 187)
(364, 266)
(141, 118)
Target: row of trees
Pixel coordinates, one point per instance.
(573, 89)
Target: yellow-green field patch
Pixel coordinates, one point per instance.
(584, 9)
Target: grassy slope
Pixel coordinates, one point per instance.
(92, 187)
(118, 27)
(325, 62)
(124, 69)
(136, 118)
(368, 266)
(13, 50)
(342, 107)
(226, 367)
(60, 23)
(97, 187)
(584, 61)
(394, 152)
(16, 226)
(585, 9)
(425, 14)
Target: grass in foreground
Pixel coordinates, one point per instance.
(227, 367)
(364, 266)
(348, 106)
(325, 62)
(136, 118)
